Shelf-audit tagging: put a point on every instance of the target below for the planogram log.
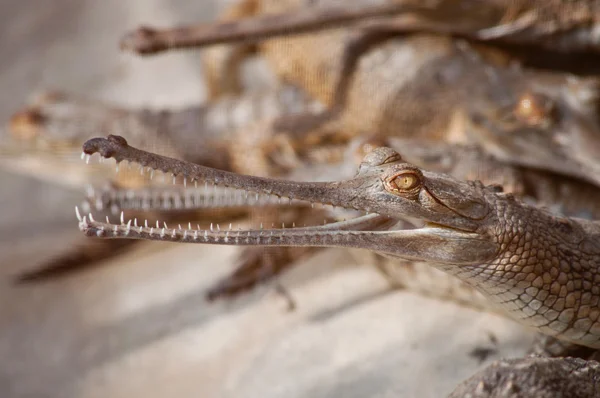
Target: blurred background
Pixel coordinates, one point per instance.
(139, 325)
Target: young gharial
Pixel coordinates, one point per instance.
(542, 270)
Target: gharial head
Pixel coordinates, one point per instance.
(450, 216)
(539, 119)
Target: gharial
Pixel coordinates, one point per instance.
(537, 268)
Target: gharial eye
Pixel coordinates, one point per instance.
(404, 181)
(534, 109)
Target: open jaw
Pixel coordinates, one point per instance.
(453, 214)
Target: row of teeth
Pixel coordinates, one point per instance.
(211, 196)
(213, 233)
(260, 198)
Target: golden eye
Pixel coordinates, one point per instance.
(403, 182)
(534, 109)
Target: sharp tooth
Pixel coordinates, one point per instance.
(82, 155)
(117, 168)
(128, 225)
(174, 234)
(122, 218)
(87, 159)
(146, 223)
(218, 228)
(151, 231)
(190, 225)
(84, 221)
(77, 213)
(211, 227)
(157, 225)
(107, 220)
(165, 224)
(91, 218)
(162, 233)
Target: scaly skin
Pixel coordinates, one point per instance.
(540, 269)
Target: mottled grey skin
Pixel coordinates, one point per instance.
(534, 377)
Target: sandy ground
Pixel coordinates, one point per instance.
(139, 326)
